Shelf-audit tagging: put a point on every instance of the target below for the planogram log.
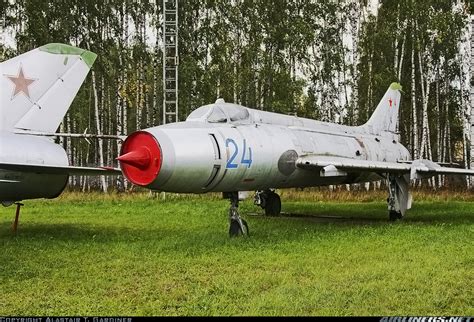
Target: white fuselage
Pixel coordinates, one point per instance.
(260, 153)
(26, 149)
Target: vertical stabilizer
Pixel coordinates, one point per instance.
(38, 87)
(385, 116)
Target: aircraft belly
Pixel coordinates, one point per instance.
(23, 149)
(16, 186)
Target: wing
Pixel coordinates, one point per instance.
(427, 168)
(339, 166)
(53, 169)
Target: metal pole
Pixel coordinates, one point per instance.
(17, 216)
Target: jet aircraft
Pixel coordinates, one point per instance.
(37, 89)
(228, 148)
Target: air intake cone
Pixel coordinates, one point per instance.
(140, 158)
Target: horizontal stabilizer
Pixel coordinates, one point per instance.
(427, 168)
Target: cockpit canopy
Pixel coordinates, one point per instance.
(220, 112)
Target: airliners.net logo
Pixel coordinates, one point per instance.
(426, 319)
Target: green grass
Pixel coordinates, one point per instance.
(132, 255)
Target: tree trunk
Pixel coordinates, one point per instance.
(413, 98)
(99, 132)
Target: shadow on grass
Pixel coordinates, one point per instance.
(84, 232)
(375, 213)
(322, 220)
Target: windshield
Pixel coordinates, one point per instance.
(217, 115)
(237, 112)
(199, 112)
(220, 112)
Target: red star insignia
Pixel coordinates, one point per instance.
(21, 83)
(390, 102)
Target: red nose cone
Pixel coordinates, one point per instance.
(140, 158)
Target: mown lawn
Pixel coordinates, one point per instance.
(133, 255)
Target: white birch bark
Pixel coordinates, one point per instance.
(99, 131)
(413, 98)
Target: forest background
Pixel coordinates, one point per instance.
(330, 60)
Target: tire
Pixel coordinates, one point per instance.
(246, 226)
(273, 205)
(235, 230)
(394, 215)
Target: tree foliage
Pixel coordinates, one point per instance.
(330, 60)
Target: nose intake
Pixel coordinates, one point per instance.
(140, 158)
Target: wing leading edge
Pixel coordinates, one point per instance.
(338, 166)
(53, 169)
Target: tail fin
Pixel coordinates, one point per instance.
(39, 86)
(385, 116)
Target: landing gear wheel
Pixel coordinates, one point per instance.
(272, 204)
(399, 198)
(238, 226)
(394, 215)
(236, 229)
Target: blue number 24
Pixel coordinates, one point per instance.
(230, 143)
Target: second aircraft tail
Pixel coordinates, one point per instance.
(39, 86)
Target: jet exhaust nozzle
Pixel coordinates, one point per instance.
(140, 158)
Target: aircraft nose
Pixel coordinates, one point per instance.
(140, 158)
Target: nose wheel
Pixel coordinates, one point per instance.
(394, 215)
(237, 225)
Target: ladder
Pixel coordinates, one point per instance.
(170, 61)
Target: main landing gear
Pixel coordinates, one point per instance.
(237, 225)
(270, 201)
(399, 199)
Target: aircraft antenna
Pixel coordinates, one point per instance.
(170, 61)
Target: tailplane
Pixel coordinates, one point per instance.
(39, 86)
(385, 116)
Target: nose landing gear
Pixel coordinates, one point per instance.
(238, 226)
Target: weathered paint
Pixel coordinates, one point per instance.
(23, 149)
(396, 86)
(62, 49)
(39, 87)
(258, 150)
(50, 83)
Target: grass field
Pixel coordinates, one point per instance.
(133, 255)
